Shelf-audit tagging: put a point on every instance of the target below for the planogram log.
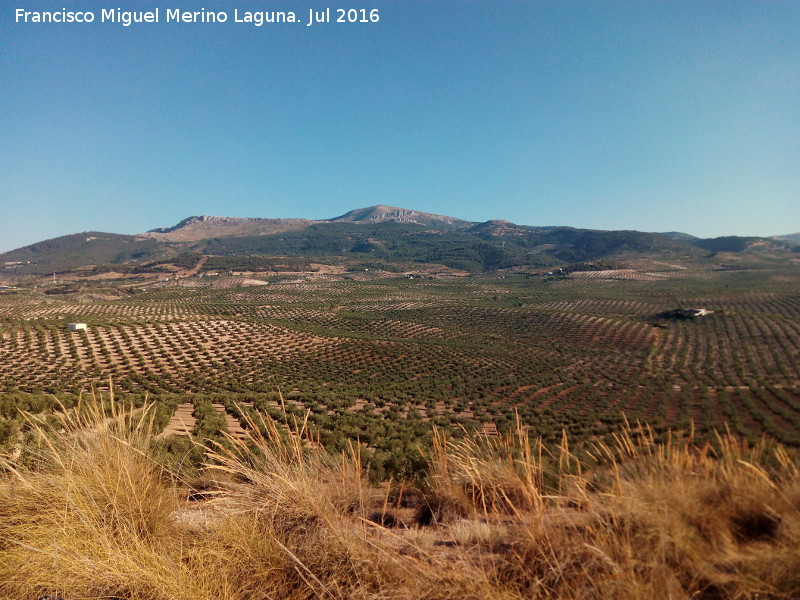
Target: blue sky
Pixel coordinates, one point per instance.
(655, 116)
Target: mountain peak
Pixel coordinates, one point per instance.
(184, 223)
(382, 213)
(498, 227)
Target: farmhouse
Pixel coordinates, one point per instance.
(77, 326)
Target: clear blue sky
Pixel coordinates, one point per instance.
(654, 116)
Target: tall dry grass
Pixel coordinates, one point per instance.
(631, 519)
(89, 513)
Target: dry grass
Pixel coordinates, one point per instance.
(636, 520)
(89, 513)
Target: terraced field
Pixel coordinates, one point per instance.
(391, 356)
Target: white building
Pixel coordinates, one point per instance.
(77, 326)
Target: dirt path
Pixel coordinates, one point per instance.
(234, 427)
(182, 421)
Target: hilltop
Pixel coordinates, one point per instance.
(383, 214)
(203, 227)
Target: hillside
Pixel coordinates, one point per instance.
(202, 227)
(791, 237)
(80, 249)
(284, 433)
(391, 235)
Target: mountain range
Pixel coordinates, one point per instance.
(204, 227)
(385, 234)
